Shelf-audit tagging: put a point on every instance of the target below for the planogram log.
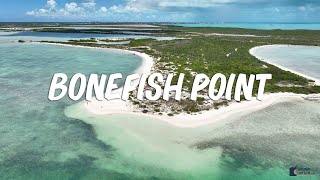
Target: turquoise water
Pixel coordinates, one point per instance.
(260, 146)
(50, 36)
(264, 26)
(40, 139)
(302, 59)
(36, 139)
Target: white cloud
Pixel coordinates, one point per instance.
(103, 9)
(43, 11)
(178, 10)
(30, 13)
(72, 7)
(51, 4)
(124, 9)
(91, 4)
(193, 3)
(131, 10)
(302, 8)
(88, 7)
(39, 12)
(309, 8)
(156, 4)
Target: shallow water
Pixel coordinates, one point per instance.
(53, 140)
(35, 136)
(262, 26)
(51, 36)
(260, 146)
(302, 59)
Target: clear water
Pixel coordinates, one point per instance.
(260, 146)
(53, 140)
(263, 26)
(50, 36)
(302, 59)
(36, 139)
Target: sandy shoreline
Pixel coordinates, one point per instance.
(253, 50)
(182, 120)
(191, 121)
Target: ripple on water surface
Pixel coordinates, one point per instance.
(38, 141)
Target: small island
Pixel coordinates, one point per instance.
(206, 50)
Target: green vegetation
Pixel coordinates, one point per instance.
(170, 114)
(298, 37)
(140, 42)
(116, 40)
(137, 31)
(91, 40)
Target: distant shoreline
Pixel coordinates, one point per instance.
(250, 25)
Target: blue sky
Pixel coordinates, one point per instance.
(161, 10)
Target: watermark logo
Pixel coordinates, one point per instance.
(300, 171)
(293, 171)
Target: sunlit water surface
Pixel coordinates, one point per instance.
(40, 139)
(6, 37)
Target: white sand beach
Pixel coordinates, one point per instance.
(187, 120)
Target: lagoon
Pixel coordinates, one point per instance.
(302, 60)
(52, 36)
